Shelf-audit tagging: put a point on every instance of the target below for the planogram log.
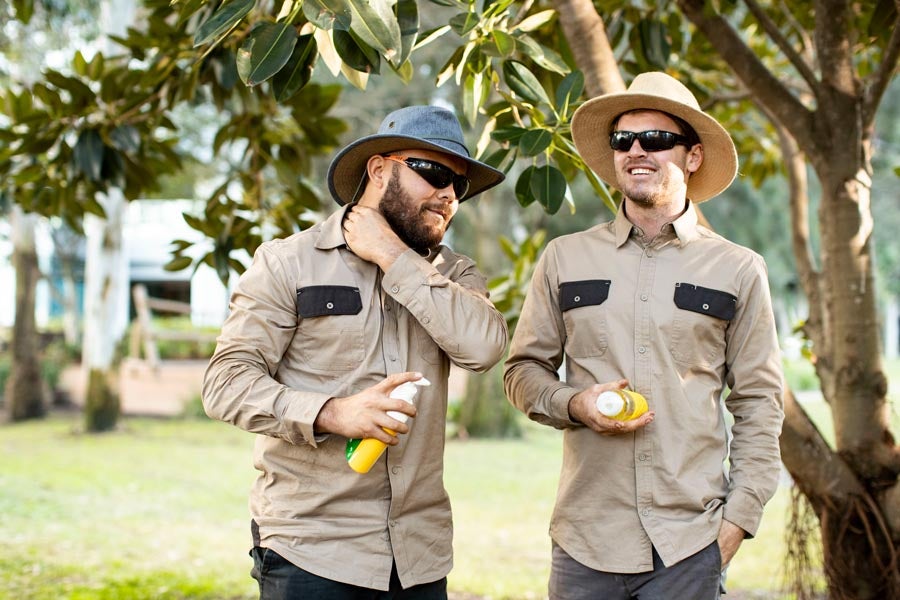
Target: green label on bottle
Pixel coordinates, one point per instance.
(351, 447)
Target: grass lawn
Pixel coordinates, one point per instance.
(158, 511)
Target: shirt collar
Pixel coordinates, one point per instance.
(332, 235)
(685, 226)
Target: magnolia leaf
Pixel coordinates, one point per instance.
(524, 194)
(535, 141)
(179, 263)
(266, 50)
(542, 55)
(408, 21)
(88, 154)
(568, 92)
(352, 53)
(228, 15)
(298, 70)
(376, 25)
(532, 22)
(334, 14)
(523, 83)
(548, 185)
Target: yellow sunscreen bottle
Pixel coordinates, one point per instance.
(622, 405)
(362, 454)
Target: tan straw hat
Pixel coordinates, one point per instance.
(412, 127)
(656, 91)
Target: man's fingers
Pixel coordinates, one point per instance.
(392, 381)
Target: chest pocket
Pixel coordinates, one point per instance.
(330, 336)
(698, 330)
(585, 319)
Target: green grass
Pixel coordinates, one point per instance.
(158, 510)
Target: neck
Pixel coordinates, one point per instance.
(651, 219)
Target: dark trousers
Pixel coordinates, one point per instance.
(281, 580)
(697, 577)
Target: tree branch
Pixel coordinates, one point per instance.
(804, 68)
(882, 77)
(820, 473)
(583, 27)
(762, 83)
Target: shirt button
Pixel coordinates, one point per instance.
(577, 298)
(644, 297)
(642, 349)
(426, 320)
(329, 306)
(395, 470)
(392, 358)
(393, 523)
(642, 457)
(395, 289)
(645, 512)
(706, 307)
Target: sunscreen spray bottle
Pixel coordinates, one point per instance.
(362, 454)
(622, 405)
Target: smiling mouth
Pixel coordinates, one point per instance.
(640, 171)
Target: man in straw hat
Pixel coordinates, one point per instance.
(323, 326)
(654, 302)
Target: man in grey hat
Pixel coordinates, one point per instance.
(654, 507)
(323, 326)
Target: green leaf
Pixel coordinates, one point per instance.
(535, 141)
(522, 82)
(228, 15)
(883, 19)
(298, 70)
(408, 21)
(88, 154)
(334, 14)
(179, 263)
(654, 43)
(543, 56)
(523, 187)
(508, 134)
(266, 50)
(126, 138)
(568, 92)
(463, 23)
(24, 10)
(375, 25)
(79, 90)
(548, 185)
(535, 21)
(897, 171)
(506, 44)
(79, 64)
(496, 158)
(351, 53)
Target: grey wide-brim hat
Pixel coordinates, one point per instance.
(656, 91)
(410, 128)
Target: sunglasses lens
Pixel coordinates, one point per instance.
(439, 176)
(651, 141)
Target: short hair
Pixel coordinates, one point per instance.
(686, 129)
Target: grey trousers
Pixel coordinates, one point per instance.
(697, 577)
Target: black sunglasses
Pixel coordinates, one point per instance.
(437, 175)
(651, 141)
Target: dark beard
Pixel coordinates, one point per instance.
(406, 221)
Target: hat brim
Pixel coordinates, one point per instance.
(591, 128)
(345, 175)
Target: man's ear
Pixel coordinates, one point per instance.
(377, 170)
(694, 158)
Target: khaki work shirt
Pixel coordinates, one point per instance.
(310, 321)
(679, 318)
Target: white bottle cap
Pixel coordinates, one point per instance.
(405, 391)
(610, 403)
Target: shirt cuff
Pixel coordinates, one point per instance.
(409, 272)
(559, 406)
(744, 511)
(299, 416)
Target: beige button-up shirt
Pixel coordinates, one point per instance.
(680, 318)
(310, 321)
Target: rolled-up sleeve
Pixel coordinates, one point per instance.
(455, 311)
(239, 386)
(755, 401)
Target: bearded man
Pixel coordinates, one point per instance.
(323, 325)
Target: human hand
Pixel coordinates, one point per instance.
(730, 538)
(583, 409)
(364, 415)
(370, 237)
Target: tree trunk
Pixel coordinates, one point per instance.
(106, 302)
(25, 393)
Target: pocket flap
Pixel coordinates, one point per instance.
(588, 292)
(705, 301)
(323, 300)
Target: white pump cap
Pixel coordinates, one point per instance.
(406, 391)
(610, 403)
